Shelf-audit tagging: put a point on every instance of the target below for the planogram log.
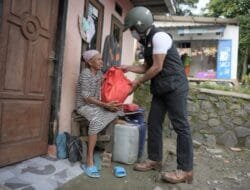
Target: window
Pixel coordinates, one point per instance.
(183, 44)
(118, 9)
(94, 9)
(199, 57)
(203, 63)
(116, 30)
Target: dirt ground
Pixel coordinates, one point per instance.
(217, 168)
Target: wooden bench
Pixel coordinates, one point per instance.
(79, 127)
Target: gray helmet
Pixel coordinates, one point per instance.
(139, 18)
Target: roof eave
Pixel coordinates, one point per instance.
(192, 19)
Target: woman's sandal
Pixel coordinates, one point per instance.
(119, 171)
(91, 171)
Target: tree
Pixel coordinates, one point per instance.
(241, 10)
(244, 52)
(188, 3)
(228, 8)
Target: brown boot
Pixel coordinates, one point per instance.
(147, 165)
(178, 176)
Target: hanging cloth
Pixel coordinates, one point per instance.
(87, 28)
(111, 53)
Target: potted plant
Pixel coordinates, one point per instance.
(186, 62)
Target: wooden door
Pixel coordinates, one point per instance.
(26, 43)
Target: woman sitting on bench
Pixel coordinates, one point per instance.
(88, 104)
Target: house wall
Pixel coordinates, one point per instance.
(72, 53)
(232, 32)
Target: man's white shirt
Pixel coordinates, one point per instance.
(162, 42)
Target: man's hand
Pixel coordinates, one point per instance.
(124, 68)
(135, 84)
(139, 69)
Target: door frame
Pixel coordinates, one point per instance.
(46, 98)
(57, 71)
(1, 13)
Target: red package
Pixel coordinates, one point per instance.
(115, 87)
(130, 107)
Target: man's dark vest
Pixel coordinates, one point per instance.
(172, 76)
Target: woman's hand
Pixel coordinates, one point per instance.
(113, 106)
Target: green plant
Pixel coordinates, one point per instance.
(215, 86)
(242, 89)
(245, 90)
(246, 80)
(187, 61)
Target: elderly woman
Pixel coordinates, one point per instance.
(98, 113)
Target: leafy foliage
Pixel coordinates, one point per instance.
(228, 8)
(244, 29)
(189, 3)
(246, 80)
(244, 50)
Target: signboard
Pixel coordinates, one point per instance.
(224, 59)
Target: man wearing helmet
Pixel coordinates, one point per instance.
(169, 87)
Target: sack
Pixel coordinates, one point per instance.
(74, 148)
(115, 87)
(61, 146)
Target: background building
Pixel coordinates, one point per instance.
(211, 44)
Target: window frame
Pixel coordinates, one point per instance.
(118, 23)
(99, 6)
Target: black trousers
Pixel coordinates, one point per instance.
(175, 103)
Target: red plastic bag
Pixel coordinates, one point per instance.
(130, 107)
(115, 87)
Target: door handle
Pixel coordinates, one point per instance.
(51, 61)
